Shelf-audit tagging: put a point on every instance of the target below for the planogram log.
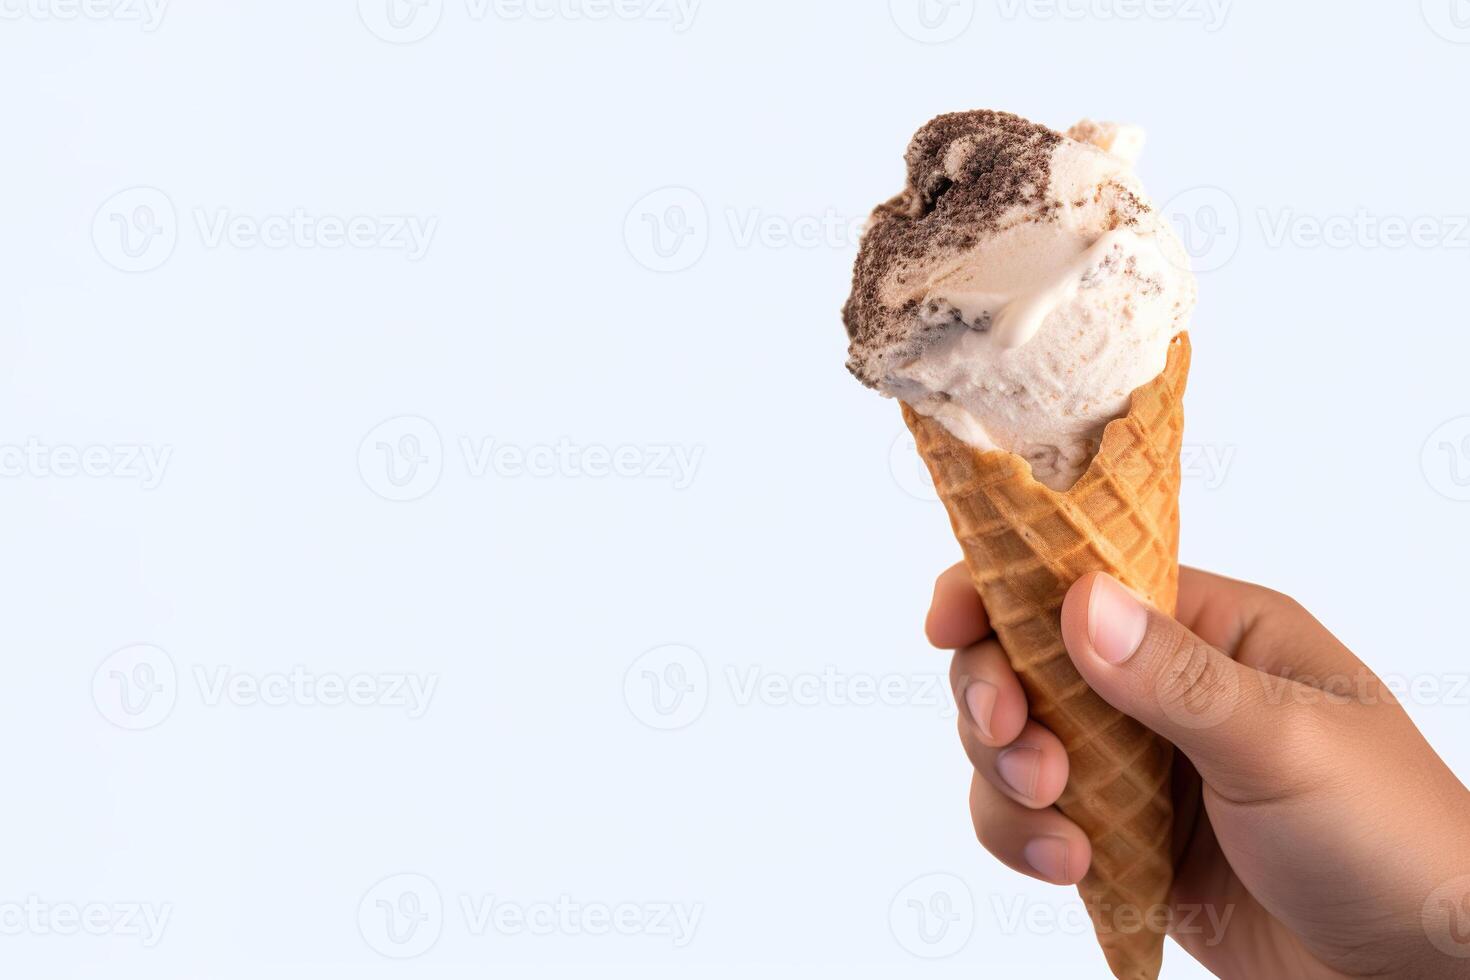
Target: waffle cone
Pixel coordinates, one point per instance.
(1025, 545)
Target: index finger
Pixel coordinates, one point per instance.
(956, 615)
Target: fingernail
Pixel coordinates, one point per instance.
(980, 699)
(1116, 621)
(1019, 766)
(1048, 858)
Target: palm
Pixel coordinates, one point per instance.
(1212, 880)
(1250, 942)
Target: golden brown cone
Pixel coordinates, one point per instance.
(1025, 545)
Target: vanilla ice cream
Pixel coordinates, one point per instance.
(1020, 288)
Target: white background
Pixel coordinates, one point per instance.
(796, 546)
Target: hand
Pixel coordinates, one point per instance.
(1317, 833)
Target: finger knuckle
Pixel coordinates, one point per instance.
(983, 822)
(1190, 674)
(1281, 604)
(988, 820)
(991, 831)
(979, 661)
(1289, 605)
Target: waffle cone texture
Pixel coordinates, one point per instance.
(1025, 545)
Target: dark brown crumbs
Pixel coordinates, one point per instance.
(1006, 163)
(1134, 201)
(1128, 209)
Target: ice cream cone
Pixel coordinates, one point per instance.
(1025, 545)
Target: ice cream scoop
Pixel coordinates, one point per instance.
(1020, 287)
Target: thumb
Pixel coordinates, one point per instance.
(1145, 664)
